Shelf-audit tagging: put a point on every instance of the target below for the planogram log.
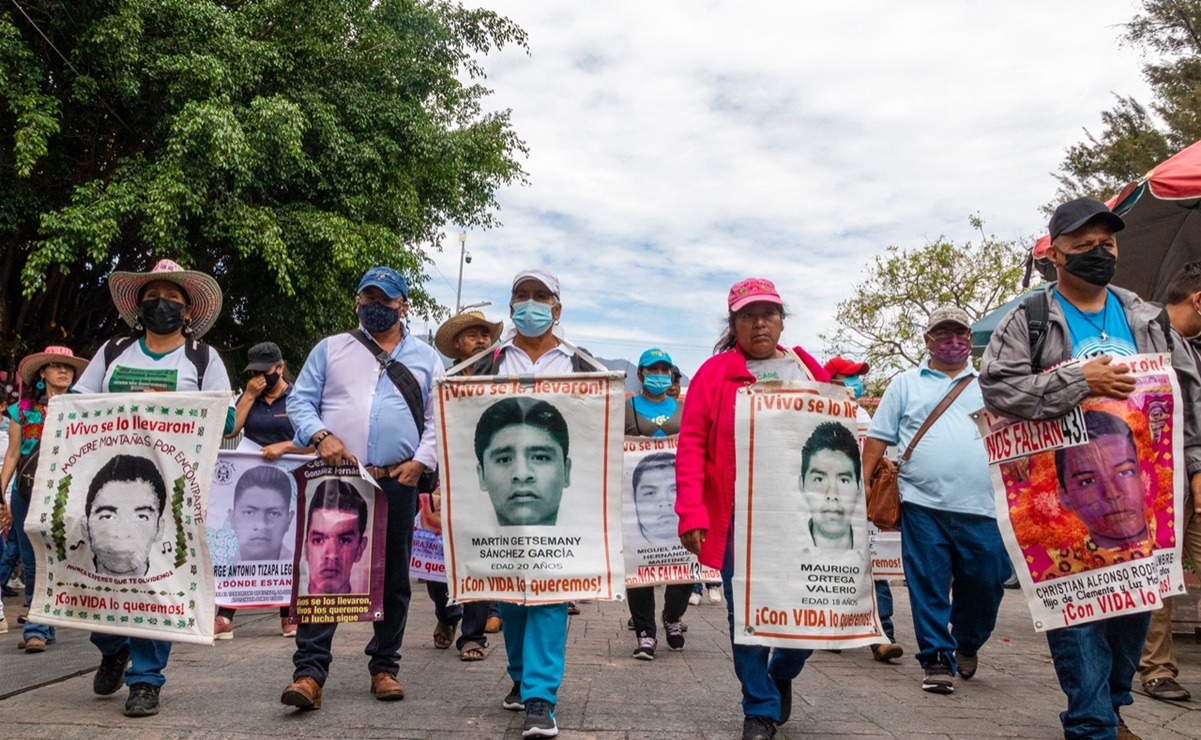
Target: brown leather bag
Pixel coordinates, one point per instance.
(883, 497)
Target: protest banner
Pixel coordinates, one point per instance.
(650, 525)
(117, 514)
(802, 563)
(511, 451)
(340, 550)
(1089, 505)
(252, 525)
(427, 560)
(886, 553)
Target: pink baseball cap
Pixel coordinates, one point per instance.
(753, 290)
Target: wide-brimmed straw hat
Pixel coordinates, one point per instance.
(31, 364)
(203, 293)
(444, 340)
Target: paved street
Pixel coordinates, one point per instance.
(232, 690)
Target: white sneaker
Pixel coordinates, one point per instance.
(714, 595)
(694, 599)
(3, 624)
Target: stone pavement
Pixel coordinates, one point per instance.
(231, 690)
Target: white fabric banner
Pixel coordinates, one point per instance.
(802, 559)
(531, 487)
(252, 528)
(886, 553)
(118, 513)
(427, 560)
(650, 525)
(1091, 505)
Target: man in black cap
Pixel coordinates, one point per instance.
(1083, 316)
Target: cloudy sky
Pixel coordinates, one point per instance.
(676, 147)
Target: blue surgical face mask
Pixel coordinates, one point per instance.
(656, 384)
(532, 318)
(855, 384)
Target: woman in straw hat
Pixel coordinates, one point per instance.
(43, 375)
(169, 308)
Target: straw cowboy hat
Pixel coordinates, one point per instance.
(31, 364)
(203, 293)
(444, 340)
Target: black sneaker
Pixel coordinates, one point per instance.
(513, 699)
(142, 701)
(967, 664)
(646, 647)
(785, 689)
(111, 673)
(675, 635)
(758, 728)
(630, 623)
(939, 679)
(539, 719)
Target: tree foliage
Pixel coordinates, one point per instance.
(283, 146)
(884, 320)
(1135, 137)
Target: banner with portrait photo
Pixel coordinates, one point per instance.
(340, 545)
(650, 525)
(117, 517)
(802, 557)
(531, 487)
(427, 561)
(252, 528)
(1090, 504)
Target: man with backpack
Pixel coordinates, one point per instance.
(1025, 375)
(364, 397)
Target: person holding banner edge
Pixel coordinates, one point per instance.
(173, 308)
(535, 635)
(1085, 317)
(55, 369)
(653, 413)
(749, 351)
(1157, 669)
(351, 402)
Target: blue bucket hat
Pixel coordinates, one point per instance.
(386, 279)
(653, 356)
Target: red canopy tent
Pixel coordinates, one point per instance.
(1162, 212)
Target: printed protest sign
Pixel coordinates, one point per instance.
(650, 525)
(427, 561)
(886, 552)
(118, 510)
(802, 563)
(1090, 504)
(531, 484)
(252, 527)
(340, 549)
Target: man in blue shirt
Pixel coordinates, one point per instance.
(347, 406)
(955, 561)
(1088, 318)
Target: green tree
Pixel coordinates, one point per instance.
(283, 146)
(1135, 137)
(884, 320)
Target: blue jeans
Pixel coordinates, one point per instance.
(148, 658)
(314, 641)
(473, 615)
(536, 644)
(756, 665)
(1095, 663)
(20, 511)
(884, 607)
(955, 567)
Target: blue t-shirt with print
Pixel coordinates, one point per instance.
(656, 411)
(1104, 332)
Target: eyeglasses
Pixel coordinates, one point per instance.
(944, 333)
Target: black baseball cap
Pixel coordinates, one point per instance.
(1076, 213)
(264, 356)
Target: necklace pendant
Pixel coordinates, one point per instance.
(1104, 337)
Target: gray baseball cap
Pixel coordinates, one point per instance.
(944, 314)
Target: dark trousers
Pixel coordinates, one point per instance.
(313, 641)
(642, 606)
(472, 614)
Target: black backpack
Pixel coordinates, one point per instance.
(1038, 318)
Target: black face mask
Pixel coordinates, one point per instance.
(272, 379)
(161, 316)
(1094, 266)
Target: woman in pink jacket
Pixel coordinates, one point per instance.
(749, 352)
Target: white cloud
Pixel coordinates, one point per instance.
(678, 146)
